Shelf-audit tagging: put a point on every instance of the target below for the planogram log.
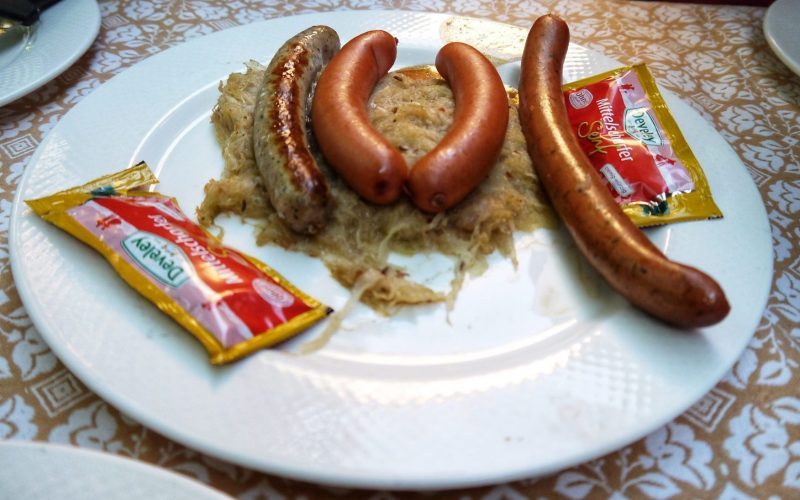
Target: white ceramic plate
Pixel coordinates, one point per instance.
(39, 471)
(537, 369)
(782, 31)
(63, 33)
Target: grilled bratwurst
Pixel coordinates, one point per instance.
(294, 182)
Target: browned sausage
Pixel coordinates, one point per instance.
(296, 186)
(369, 164)
(621, 253)
(469, 150)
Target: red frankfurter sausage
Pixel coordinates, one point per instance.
(469, 150)
(369, 164)
(621, 253)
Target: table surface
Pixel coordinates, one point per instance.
(741, 439)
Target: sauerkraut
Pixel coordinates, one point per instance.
(413, 108)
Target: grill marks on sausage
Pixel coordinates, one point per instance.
(295, 184)
(288, 122)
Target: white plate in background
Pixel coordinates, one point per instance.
(782, 31)
(537, 369)
(40, 471)
(63, 33)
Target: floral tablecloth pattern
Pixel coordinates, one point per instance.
(741, 440)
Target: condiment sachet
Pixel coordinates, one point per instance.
(232, 303)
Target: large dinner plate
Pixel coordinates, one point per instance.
(536, 368)
(63, 33)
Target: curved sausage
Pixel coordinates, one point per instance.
(369, 164)
(622, 254)
(294, 182)
(469, 150)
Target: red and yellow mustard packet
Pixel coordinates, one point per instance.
(233, 303)
(630, 136)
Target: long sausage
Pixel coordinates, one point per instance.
(296, 186)
(469, 150)
(368, 162)
(622, 254)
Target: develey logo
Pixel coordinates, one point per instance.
(161, 259)
(640, 125)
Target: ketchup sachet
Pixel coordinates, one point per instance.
(624, 126)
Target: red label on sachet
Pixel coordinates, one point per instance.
(225, 292)
(618, 129)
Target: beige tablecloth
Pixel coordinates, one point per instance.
(741, 440)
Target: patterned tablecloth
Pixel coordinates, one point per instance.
(741, 440)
